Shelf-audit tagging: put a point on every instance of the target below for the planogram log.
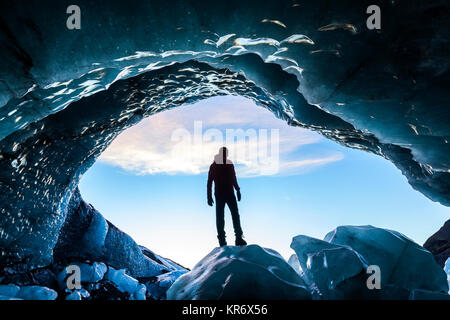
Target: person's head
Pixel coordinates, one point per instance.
(223, 152)
(221, 157)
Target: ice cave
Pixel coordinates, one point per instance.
(65, 95)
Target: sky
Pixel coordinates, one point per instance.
(151, 182)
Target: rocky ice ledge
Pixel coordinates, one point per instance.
(338, 268)
(65, 95)
(112, 266)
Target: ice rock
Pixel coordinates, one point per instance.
(36, 293)
(447, 271)
(240, 272)
(295, 264)
(167, 263)
(157, 288)
(8, 298)
(125, 283)
(428, 295)
(75, 295)
(78, 294)
(402, 262)
(9, 290)
(337, 271)
(94, 272)
(13, 292)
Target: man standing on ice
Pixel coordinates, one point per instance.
(222, 173)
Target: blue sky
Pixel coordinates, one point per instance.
(151, 183)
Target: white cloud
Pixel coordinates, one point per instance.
(167, 142)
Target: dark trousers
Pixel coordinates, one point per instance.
(230, 200)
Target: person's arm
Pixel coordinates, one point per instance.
(209, 186)
(235, 184)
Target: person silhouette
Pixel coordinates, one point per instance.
(222, 173)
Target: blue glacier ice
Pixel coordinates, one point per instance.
(8, 298)
(447, 271)
(338, 266)
(14, 292)
(125, 283)
(9, 290)
(65, 96)
(418, 294)
(248, 272)
(295, 264)
(75, 295)
(78, 294)
(157, 289)
(36, 293)
(336, 271)
(403, 262)
(62, 103)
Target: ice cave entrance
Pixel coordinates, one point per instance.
(151, 182)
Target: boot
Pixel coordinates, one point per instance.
(240, 241)
(222, 241)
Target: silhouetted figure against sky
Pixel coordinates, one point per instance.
(222, 173)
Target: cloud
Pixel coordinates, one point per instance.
(185, 140)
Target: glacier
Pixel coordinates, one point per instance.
(62, 103)
(336, 268)
(447, 271)
(404, 263)
(240, 272)
(65, 95)
(336, 271)
(13, 292)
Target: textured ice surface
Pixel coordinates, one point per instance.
(8, 298)
(95, 272)
(337, 266)
(447, 271)
(334, 269)
(11, 291)
(159, 286)
(36, 293)
(75, 295)
(125, 283)
(295, 264)
(402, 262)
(169, 264)
(248, 272)
(428, 295)
(63, 103)
(78, 294)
